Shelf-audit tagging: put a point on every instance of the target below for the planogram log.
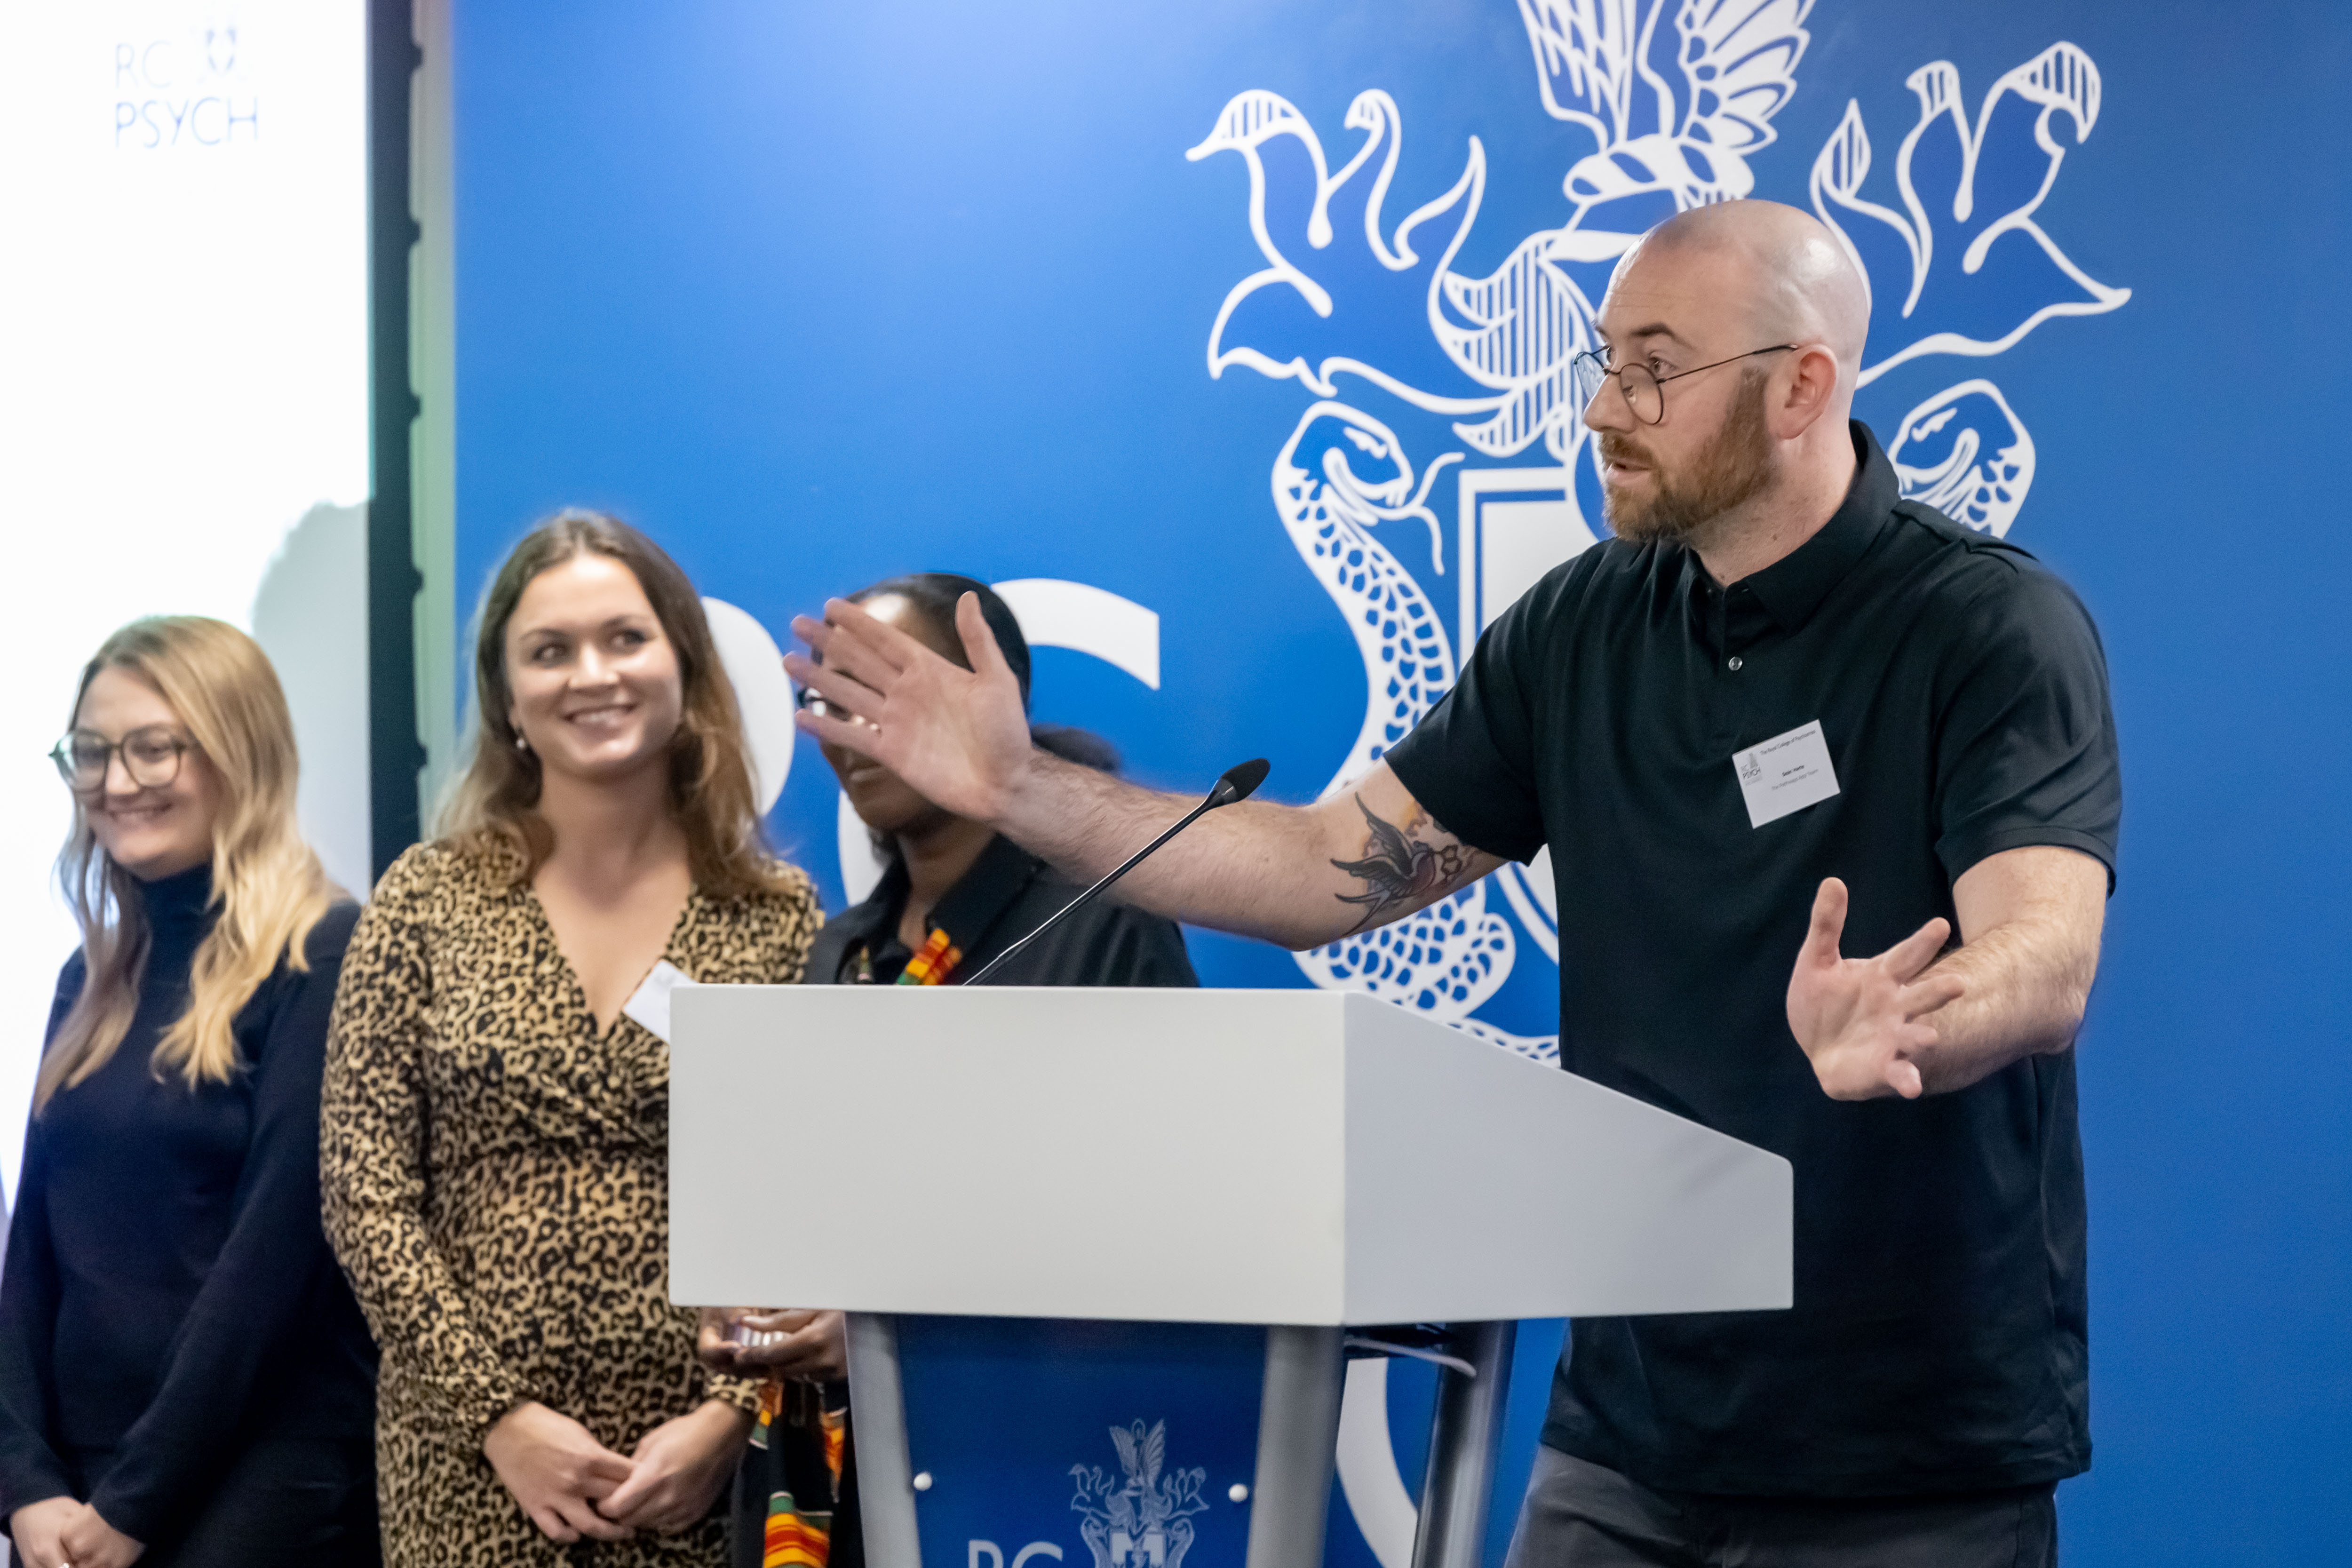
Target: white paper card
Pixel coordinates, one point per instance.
(650, 1006)
(1785, 773)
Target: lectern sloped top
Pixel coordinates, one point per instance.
(1301, 1157)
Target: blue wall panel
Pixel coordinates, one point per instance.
(821, 294)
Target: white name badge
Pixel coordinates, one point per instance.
(650, 1006)
(1785, 773)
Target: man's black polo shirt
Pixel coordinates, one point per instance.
(1938, 1338)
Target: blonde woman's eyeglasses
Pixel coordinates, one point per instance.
(149, 757)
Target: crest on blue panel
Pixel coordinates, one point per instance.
(1437, 466)
(1139, 1518)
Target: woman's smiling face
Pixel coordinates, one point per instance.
(156, 830)
(593, 681)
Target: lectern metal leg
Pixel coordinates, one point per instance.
(1463, 1436)
(885, 1477)
(1297, 1444)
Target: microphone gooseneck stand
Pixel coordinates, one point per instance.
(1236, 784)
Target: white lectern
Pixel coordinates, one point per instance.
(1314, 1159)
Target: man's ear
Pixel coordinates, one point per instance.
(1805, 390)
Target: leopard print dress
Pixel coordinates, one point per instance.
(494, 1175)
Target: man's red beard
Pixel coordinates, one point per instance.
(1735, 464)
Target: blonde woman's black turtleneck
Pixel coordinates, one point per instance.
(169, 1306)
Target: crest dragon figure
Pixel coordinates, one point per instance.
(1679, 96)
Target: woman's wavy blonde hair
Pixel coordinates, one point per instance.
(267, 883)
(713, 789)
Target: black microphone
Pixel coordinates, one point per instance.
(1236, 782)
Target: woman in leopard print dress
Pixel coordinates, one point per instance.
(495, 1116)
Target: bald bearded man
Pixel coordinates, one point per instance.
(1783, 713)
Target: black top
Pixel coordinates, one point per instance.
(1007, 894)
(1938, 1338)
(169, 1297)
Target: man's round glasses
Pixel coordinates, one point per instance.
(1644, 389)
(151, 756)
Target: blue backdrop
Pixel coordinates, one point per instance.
(1161, 299)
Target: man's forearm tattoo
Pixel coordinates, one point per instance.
(1398, 869)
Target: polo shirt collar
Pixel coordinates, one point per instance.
(1793, 587)
(981, 894)
(969, 910)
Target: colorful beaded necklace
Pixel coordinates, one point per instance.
(934, 964)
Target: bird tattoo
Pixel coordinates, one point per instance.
(1399, 870)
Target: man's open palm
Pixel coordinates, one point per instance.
(1864, 1022)
(958, 737)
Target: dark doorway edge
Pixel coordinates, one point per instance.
(395, 751)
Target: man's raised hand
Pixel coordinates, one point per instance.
(1865, 1023)
(958, 737)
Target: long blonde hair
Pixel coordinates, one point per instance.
(267, 882)
(712, 790)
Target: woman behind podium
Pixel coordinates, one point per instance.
(497, 1100)
(952, 895)
(184, 1379)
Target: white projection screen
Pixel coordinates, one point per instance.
(183, 333)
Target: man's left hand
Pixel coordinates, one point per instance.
(1864, 1022)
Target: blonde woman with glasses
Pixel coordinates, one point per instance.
(498, 1085)
(184, 1377)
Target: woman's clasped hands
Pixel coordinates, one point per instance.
(572, 1486)
(64, 1532)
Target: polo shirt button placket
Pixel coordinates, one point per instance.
(1734, 661)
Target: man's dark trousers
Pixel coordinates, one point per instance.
(1581, 1515)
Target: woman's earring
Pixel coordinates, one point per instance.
(521, 744)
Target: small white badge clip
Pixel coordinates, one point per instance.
(1785, 773)
(650, 1004)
